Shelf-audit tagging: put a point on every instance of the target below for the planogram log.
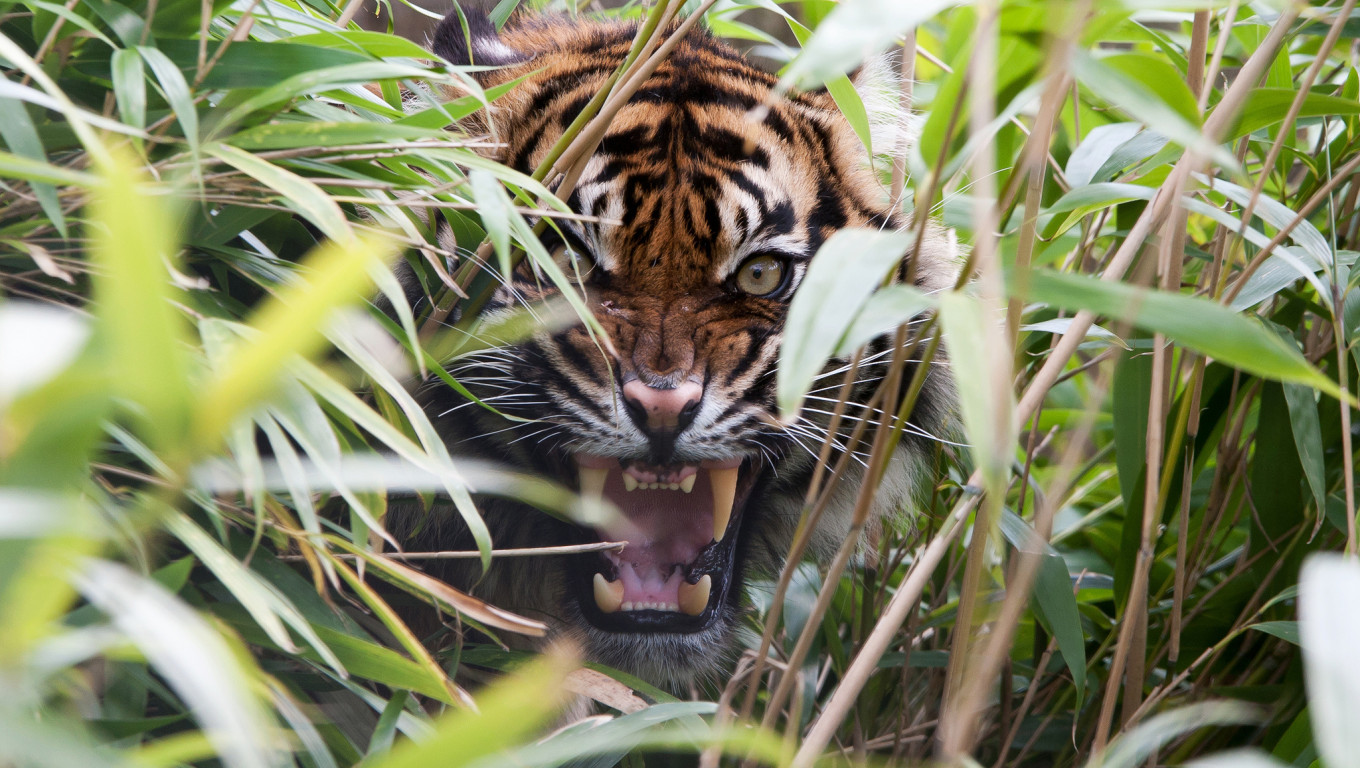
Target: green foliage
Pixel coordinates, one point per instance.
(1161, 207)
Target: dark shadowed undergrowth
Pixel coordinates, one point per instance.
(1120, 561)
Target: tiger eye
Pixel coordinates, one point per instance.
(760, 275)
(575, 265)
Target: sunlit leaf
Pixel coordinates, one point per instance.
(506, 712)
(190, 654)
(133, 242)
(289, 325)
(1146, 105)
(987, 410)
(840, 278)
(1329, 622)
(854, 31)
(1136, 745)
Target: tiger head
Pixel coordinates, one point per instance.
(699, 223)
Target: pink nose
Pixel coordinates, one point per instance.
(663, 408)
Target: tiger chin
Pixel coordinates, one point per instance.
(704, 221)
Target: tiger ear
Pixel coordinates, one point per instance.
(467, 36)
(879, 85)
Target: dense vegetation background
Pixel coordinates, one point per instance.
(1119, 566)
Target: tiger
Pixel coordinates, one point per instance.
(701, 209)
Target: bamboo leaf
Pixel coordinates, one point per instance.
(363, 41)
(289, 325)
(1136, 745)
(176, 91)
(1054, 603)
(132, 243)
(840, 278)
(1329, 622)
(313, 80)
(1265, 107)
(270, 608)
(987, 418)
(191, 656)
(506, 712)
(16, 127)
(129, 86)
(1204, 326)
(294, 191)
(327, 134)
(1147, 106)
(1285, 630)
(853, 32)
(1307, 431)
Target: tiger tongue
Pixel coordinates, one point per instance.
(663, 528)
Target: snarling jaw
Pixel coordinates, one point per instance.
(676, 565)
(699, 225)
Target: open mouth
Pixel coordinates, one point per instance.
(681, 523)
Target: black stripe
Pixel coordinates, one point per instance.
(565, 82)
(829, 210)
(747, 360)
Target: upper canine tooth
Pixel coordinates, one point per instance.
(687, 484)
(694, 597)
(629, 482)
(724, 492)
(592, 481)
(608, 594)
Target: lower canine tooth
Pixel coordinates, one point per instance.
(724, 493)
(694, 597)
(608, 594)
(687, 484)
(630, 483)
(592, 482)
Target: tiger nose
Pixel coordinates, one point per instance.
(663, 410)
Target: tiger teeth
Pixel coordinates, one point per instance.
(608, 594)
(592, 481)
(631, 483)
(650, 606)
(724, 493)
(694, 597)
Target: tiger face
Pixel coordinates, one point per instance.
(704, 222)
